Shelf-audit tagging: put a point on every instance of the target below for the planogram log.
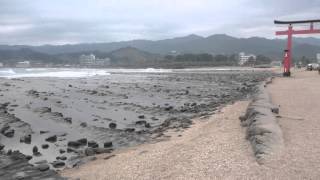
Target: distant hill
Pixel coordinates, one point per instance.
(215, 44)
(130, 56)
(11, 56)
(307, 40)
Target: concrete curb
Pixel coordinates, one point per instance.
(263, 130)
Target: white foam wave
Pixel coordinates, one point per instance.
(58, 73)
(147, 70)
(7, 71)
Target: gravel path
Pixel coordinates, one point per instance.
(299, 100)
(217, 149)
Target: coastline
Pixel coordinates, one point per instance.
(218, 149)
(209, 145)
(117, 111)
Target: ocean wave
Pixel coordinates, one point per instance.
(7, 71)
(147, 70)
(70, 73)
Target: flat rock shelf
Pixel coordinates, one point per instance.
(64, 122)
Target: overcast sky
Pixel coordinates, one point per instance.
(37, 22)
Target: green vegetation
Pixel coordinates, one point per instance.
(188, 60)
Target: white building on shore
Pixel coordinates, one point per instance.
(92, 61)
(87, 60)
(23, 64)
(1, 65)
(243, 58)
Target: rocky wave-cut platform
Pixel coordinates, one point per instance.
(14, 165)
(66, 122)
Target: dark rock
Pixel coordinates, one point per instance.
(6, 84)
(89, 152)
(33, 92)
(44, 110)
(69, 85)
(129, 129)
(52, 139)
(154, 119)
(62, 151)
(63, 158)
(83, 141)
(68, 120)
(141, 116)
(43, 132)
(9, 152)
(102, 150)
(93, 144)
(93, 92)
(43, 167)
(108, 157)
(45, 146)
(112, 125)
(243, 118)
(168, 108)
(107, 144)
(28, 157)
(26, 139)
(58, 164)
(275, 110)
(74, 144)
(83, 124)
(41, 162)
(57, 114)
(35, 149)
(107, 87)
(1, 146)
(62, 134)
(72, 150)
(9, 133)
(141, 122)
(147, 125)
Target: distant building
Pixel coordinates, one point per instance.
(23, 64)
(92, 61)
(102, 62)
(87, 60)
(243, 58)
(1, 65)
(318, 57)
(276, 64)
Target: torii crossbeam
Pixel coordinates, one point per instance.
(289, 33)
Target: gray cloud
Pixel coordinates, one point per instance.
(74, 21)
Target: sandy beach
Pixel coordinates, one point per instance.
(216, 148)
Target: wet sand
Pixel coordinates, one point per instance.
(65, 122)
(217, 148)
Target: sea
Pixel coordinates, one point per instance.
(11, 73)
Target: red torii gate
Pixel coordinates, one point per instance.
(289, 33)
